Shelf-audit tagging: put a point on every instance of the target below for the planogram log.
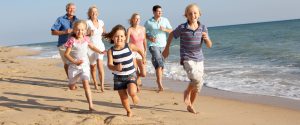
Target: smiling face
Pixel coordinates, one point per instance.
(119, 38)
(136, 20)
(79, 30)
(192, 14)
(71, 10)
(93, 13)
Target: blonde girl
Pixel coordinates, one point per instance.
(76, 53)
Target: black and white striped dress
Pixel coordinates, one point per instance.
(125, 57)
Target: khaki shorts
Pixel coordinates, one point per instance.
(62, 50)
(195, 72)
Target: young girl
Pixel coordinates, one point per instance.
(120, 61)
(76, 52)
(192, 34)
(95, 31)
(137, 36)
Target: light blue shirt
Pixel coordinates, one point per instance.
(153, 30)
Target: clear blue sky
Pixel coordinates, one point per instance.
(29, 21)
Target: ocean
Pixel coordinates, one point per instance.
(258, 58)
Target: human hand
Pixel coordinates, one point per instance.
(162, 28)
(152, 39)
(68, 31)
(118, 67)
(204, 35)
(144, 61)
(165, 53)
(78, 62)
(90, 32)
(103, 52)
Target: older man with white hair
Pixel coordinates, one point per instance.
(62, 28)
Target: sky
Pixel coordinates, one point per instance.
(29, 21)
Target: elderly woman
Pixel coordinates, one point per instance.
(95, 31)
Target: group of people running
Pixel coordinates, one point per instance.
(81, 48)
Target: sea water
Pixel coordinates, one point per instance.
(259, 58)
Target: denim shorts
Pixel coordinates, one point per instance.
(157, 58)
(121, 82)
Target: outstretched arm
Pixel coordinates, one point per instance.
(165, 29)
(57, 32)
(92, 47)
(206, 39)
(128, 35)
(165, 53)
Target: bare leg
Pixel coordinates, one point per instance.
(132, 89)
(101, 73)
(88, 93)
(159, 72)
(137, 73)
(66, 67)
(141, 73)
(194, 95)
(93, 72)
(124, 99)
(187, 95)
(190, 95)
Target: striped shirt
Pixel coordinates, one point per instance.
(190, 40)
(123, 56)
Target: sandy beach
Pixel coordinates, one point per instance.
(34, 92)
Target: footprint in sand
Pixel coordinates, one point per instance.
(62, 108)
(114, 120)
(73, 100)
(92, 120)
(8, 123)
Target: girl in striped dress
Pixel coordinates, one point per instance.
(120, 61)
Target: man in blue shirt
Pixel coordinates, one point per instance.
(62, 28)
(157, 29)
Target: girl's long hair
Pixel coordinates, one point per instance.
(113, 31)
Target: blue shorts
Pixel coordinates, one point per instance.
(157, 58)
(121, 82)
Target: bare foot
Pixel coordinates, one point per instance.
(160, 89)
(135, 100)
(73, 87)
(102, 89)
(191, 110)
(186, 98)
(91, 110)
(129, 114)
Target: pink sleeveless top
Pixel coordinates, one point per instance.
(137, 38)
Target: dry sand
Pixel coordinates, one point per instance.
(34, 92)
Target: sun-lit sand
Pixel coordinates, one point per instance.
(34, 92)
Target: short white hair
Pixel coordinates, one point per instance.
(69, 4)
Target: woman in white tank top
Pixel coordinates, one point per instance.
(95, 31)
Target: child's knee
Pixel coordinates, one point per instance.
(132, 93)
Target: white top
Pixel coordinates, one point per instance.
(96, 38)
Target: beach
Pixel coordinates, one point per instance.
(34, 91)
